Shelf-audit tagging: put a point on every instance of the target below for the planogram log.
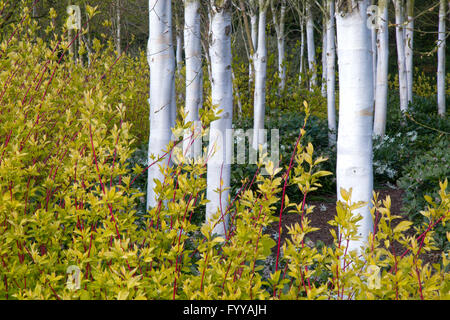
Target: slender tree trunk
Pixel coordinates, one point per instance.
(402, 77)
(260, 78)
(179, 50)
(279, 23)
(254, 33)
(374, 54)
(310, 45)
(162, 100)
(409, 45)
(194, 76)
(302, 49)
(118, 32)
(354, 145)
(441, 59)
(218, 167)
(381, 94)
(331, 73)
(324, 52)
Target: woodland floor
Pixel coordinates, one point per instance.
(325, 210)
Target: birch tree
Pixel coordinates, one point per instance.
(409, 45)
(310, 44)
(254, 35)
(401, 58)
(354, 146)
(260, 77)
(441, 59)
(374, 53)
(118, 31)
(179, 31)
(218, 167)
(162, 88)
(302, 48)
(324, 48)
(279, 24)
(194, 76)
(331, 72)
(381, 93)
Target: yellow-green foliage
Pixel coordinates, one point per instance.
(291, 98)
(423, 85)
(68, 202)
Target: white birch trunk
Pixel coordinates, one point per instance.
(331, 73)
(162, 88)
(441, 59)
(324, 53)
(218, 167)
(374, 55)
(254, 35)
(302, 50)
(118, 32)
(399, 33)
(310, 45)
(381, 93)
(192, 145)
(279, 24)
(354, 146)
(409, 45)
(260, 79)
(179, 51)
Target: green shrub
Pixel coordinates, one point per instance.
(418, 181)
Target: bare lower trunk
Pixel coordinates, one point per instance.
(279, 23)
(218, 167)
(310, 45)
(441, 60)
(194, 76)
(260, 80)
(162, 87)
(324, 53)
(354, 145)
(399, 32)
(302, 50)
(409, 45)
(331, 77)
(381, 93)
(118, 32)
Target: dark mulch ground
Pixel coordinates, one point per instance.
(325, 210)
